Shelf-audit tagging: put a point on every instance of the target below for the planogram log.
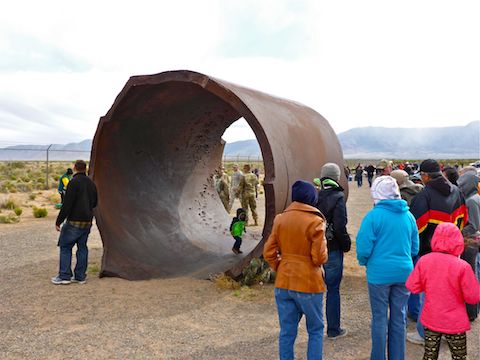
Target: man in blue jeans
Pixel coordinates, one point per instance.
(77, 210)
(331, 203)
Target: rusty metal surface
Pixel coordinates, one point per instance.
(153, 156)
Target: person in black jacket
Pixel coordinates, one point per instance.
(77, 210)
(331, 202)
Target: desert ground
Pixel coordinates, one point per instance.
(176, 318)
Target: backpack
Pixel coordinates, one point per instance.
(234, 220)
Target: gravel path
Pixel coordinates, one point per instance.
(179, 318)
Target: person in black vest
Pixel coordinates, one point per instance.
(331, 202)
(77, 210)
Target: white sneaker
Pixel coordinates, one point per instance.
(415, 338)
(73, 280)
(58, 281)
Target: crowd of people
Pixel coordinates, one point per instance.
(411, 242)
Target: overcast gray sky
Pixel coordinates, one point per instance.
(358, 63)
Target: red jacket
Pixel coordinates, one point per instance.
(448, 283)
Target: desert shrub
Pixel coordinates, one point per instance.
(245, 293)
(39, 212)
(25, 179)
(32, 196)
(17, 165)
(93, 269)
(24, 187)
(8, 219)
(9, 204)
(225, 282)
(54, 198)
(56, 177)
(13, 177)
(12, 188)
(18, 211)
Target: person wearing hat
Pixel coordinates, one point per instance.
(438, 202)
(384, 167)
(331, 202)
(296, 250)
(451, 173)
(386, 243)
(407, 188)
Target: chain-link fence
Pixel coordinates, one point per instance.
(49, 161)
(43, 156)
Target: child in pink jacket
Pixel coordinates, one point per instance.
(448, 283)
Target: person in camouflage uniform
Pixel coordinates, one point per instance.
(248, 184)
(222, 185)
(234, 186)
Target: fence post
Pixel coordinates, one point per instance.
(46, 176)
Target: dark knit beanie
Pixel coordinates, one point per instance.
(430, 166)
(304, 192)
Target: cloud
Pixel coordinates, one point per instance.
(357, 63)
(267, 29)
(24, 52)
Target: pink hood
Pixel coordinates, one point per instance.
(447, 239)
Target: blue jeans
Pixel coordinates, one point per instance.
(291, 305)
(333, 276)
(420, 328)
(238, 242)
(359, 181)
(370, 180)
(413, 308)
(383, 298)
(69, 236)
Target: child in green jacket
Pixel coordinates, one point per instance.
(237, 228)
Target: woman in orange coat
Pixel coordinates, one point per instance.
(296, 250)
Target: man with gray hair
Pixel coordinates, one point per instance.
(331, 202)
(384, 167)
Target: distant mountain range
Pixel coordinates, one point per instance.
(358, 143)
(412, 143)
(56, 152)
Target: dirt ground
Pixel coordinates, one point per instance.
(179, 318)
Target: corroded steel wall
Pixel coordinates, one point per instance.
(153, 157)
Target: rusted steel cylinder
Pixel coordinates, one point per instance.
(153, 157)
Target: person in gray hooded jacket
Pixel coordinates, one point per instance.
(468, 184)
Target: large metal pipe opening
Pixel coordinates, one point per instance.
(153, 157)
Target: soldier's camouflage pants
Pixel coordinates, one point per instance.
(225, 201)
(233, 195)
(248, 200)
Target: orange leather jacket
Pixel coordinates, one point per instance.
(296, 249)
